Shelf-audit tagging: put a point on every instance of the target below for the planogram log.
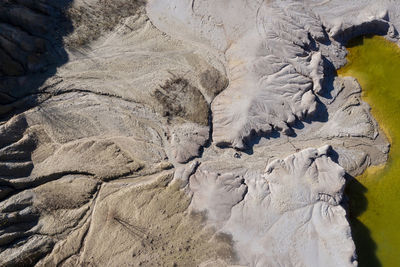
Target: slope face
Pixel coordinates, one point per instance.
(31, 47)
(273, 58)
(289, 215)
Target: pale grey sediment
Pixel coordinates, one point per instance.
(198, 132)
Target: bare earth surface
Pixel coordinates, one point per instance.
(182, 133)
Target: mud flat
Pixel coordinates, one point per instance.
(375, 62)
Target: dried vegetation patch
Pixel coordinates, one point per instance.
(91, 20)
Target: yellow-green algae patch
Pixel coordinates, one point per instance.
(375, 62)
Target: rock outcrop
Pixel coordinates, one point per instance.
(272, 215)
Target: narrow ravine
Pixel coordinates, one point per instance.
(375, 195)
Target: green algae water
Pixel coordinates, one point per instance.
(375, 195)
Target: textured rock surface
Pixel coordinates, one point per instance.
(292, 200)
(182, 133)
(275, 64)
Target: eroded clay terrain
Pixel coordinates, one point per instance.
(182, 133)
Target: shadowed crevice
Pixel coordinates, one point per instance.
(31, 49)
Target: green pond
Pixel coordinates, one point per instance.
(375, 195)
